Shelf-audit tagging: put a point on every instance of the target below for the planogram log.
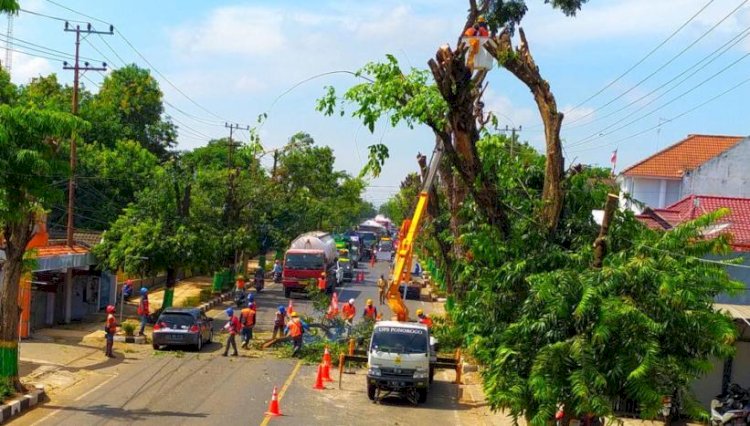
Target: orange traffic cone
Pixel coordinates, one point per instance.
(273, 406)
(319, 379)
(327, 357)
(290, 308)
(327, 372)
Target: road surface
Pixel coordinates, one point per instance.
(177, 388)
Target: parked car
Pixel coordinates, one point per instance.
(183, 327)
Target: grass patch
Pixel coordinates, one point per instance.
(191, 302)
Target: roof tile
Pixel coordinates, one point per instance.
(683, 156)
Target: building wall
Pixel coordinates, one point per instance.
(727, 174)
(740, 273)
(654, 193)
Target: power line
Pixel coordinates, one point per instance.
(705, 61)
(736, 86)
(56, 18)
(648, 55)
(672, 59)
(595, 135)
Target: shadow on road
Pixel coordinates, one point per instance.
(110, 412)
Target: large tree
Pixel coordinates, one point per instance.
(30, 140)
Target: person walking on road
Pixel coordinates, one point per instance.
(381, 289)
(279, 323)
(110, 328)
(296, 329)
(143, 310)
(370, 312)
(232, 326)
(247, 319)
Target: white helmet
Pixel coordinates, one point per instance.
(351, 301)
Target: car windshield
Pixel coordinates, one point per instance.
(386, 245)
(369, 238)
(303, 261)
(176, 321)
(400, 340)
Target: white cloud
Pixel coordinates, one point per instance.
(506, 112)
(24, 67)
(579, 116)
(633, 18)
(233, 30)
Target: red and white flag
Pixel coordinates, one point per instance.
(613, 160)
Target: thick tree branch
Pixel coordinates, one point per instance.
(521, 63)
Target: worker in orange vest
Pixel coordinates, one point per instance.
(370, 312)
(348, 311)
(322, 282)
(424, 319)
(295, 329)
(247, 319)
(110, 328)
(479, 29)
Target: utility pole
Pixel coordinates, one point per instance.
(77, 69)
(231, 209)
(513, 136)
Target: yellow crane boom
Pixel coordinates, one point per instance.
(404, 253)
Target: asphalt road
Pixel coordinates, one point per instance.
(171, 388)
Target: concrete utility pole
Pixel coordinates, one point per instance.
(231, 201)
(77, 69)
(513, 136)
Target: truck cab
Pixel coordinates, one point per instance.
(302, 267)
(398, 360)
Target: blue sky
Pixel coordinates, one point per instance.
(235, 58)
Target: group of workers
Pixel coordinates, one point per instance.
(286, 323)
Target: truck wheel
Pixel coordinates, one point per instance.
(421, 396)
(371, 392)
(287, 292)
(155, 346)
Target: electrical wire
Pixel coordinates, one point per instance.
(648, 55)
(664, 65)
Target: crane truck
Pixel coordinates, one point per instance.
(401, 352)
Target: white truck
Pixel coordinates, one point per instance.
(398, 361)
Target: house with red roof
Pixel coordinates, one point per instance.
(698, 164)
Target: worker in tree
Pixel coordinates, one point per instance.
(247, 319)
(279, 323)
(232, 327)
(110, 328)
(381, 289)
(370, 312)
(296, 329)
(143, 310)
(479, 29)
(424, 319)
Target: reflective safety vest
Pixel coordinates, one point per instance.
(348, 311)
(371, 312)
(143, 307)
(247, 317)
(426, 321)
(111, 325)
(295, 328)
(321, 283)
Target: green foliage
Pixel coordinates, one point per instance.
(509, 13)
(129, 326)
(9, 6)
(8, 91)
(6, 388)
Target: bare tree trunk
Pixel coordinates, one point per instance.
(461, 92)
(17, 237)
(521, 64)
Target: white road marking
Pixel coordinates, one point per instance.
(89, 392)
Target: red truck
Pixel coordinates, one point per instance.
(309, 255)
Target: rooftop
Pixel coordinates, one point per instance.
(682, 157)
(737, 222)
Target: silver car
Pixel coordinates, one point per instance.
(183, 327)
